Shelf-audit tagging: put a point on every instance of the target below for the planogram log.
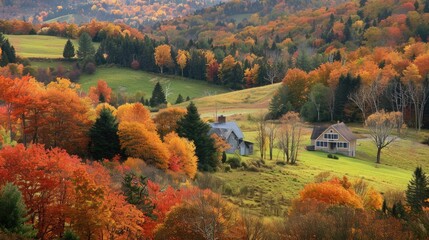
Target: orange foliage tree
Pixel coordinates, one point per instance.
(101, 93)
(135, 112)
(166, 120)
(182, 152)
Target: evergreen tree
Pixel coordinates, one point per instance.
(193, 128)
(13, 211)
(279, 104)
(188, 99)
(179, 99)
(86, 51)
(70, 235)
(303, 61)
(69, 51)
(426, 8)
(138, 194)
(417, 191)
(104, 136)
(346, 85)
(8, 52)
(158, 96)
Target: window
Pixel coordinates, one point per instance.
(318, 143)
(331, 136)
(325, 144)
(345, 145)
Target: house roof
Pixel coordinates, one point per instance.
(225, 129)
(341, 128)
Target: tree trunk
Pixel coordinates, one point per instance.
(162, 70)
(271, 153)
(378, 155)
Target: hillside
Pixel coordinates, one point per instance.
(131, 12)
(130, 81)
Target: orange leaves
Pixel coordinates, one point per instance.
(182, 154)
(166, 119)
(163, 56)
(251, 75)
(135, 112)
(101, 93)
(139, 142)
(422, 63)
(298, 84)
(182, 59)
(332, 192)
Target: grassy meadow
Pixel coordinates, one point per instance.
(132, 81)
(37, 46)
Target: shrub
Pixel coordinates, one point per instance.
(74, 75)
(90, 68)
(244, 165)
(234, 162)
(227, 168)
(426, 140)
(135, 65)
(281, 163)
(224, 157)
(228, 190)
(335, 157)
(330, 156)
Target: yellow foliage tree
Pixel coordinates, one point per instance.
(139, 142)
(166, 120)
(182, 59)
(183, 151)
(163, 56)
(135, 112)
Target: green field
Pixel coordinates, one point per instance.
(131, 81)
(37, 46)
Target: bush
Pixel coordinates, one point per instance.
(330, 156)
(244, 165)
(74, 75)
(224, 157)
(227, 168)
(281, 163)
(135, 65)
(90, 68)
(426, 140)
(228, 190)
(234, 162)
(335, 157)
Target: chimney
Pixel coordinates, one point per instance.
(221, 119)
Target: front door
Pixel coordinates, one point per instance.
(332, 146)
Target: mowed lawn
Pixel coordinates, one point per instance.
(131, 81)
(37, 46)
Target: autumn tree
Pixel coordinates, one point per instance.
(381, 124)
(182, 59)
(193, 128)
(69, 51)
(204, 216)
(163, 57)
(137, 141)
(13, 212)
(166, 120)
(297, 82)
(101, 93)
(418, 191)
(135, 112)
(289, 138)
(104, 136)
(182, 154)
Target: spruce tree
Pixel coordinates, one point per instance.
(193, 128)
(188, 99)
(69, 50)
(13, 211)
(104, 136)
(417, 191)
(179, 99)
(138, 194)
(158, 96)
(426, 7)
(86, 51)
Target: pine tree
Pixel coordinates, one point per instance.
(138, 194)
(86, 51)
(8, 54)
(193, 128)
(179, 99)
(13, 211)
(188, 99)
(417, 191)
(69, 51)
(104, 136)
(426, 8)
(69, 235)
(158, 96)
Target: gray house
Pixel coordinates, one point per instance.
(336, 138)
(231, 133)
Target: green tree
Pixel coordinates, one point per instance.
(179, 99)
(136, 193)
(69, 51)
(193, 128)
(158, 96)
(8, 54)
(279, 104)
(426, 7)
(86, 51)
(70, 235)
(13, 212)
(104, 136)
(417, 191)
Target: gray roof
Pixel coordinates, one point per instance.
(339, 127)
(225, 129)
(344, 131)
